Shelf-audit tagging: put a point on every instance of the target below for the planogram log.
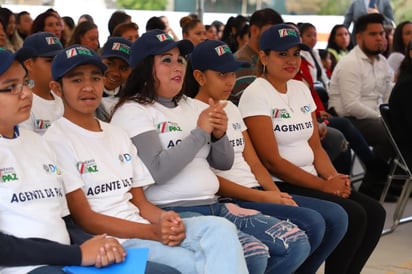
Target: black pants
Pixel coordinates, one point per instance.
(366, 221)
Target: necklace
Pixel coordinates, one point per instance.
(283, 96)
(285, 99)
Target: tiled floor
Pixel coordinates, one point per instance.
(393, 255)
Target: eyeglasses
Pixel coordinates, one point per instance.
(17, 89)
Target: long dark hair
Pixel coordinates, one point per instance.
(331, 41)
(191, 85)
(141, 86)
(405, 69)
(5, 15)
(39, 22)
(397, 44)
(80, 30)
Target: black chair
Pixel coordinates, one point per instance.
(399, 171)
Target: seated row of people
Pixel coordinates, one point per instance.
(197, 150)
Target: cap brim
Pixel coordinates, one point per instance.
(231, 66)
(86, 61)
(50, 54)
(115, 56)
(304, 47)
(185, 47)
(21, 55)
(286, 47)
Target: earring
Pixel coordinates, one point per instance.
(264, 69)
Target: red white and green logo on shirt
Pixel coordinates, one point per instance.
(164, 127)
(280, 113)
(88, 166)
(7, 175)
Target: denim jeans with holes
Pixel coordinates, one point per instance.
(324, 223)
(270, 245)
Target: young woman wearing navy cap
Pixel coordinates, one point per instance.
(279, 113)
(248, 182)
(179, 139)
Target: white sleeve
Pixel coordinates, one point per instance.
(349, 79)
(253, 102)
(135, 119)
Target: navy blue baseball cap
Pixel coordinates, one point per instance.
(7, 57)
(74, 56)
(155, 42)
(117, 47)
(280, 37)
(44, 44)
(214, 55)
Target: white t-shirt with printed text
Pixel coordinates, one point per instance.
(196, 181)
(103, 164)
(240, 172)
(32, 198)
(43, 113)
(291, 118)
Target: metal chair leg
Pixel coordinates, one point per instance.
(400, 208)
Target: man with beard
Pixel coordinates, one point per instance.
(363, 80)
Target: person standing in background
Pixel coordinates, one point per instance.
(362, 7)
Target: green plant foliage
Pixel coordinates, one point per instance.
(334, 7)
(402, 10)
(142, 4)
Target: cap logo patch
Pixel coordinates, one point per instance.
(287, 32)
(77, 51)
(220, 50)
(121, 47)
(163, 37)
(52, 40)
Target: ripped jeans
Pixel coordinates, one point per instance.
(270, 245)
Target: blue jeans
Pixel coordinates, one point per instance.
(48, 269)
(151, 268)
(288, 245)
(211, 246)
(324, 223)
(336, 220)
